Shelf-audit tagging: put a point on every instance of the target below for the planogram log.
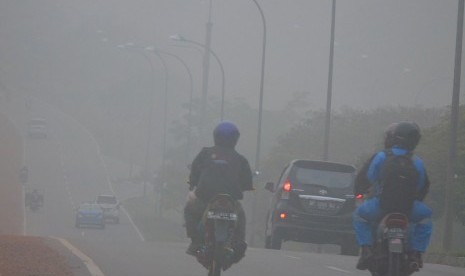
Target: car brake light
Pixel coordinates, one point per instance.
(282, 215)
(359, 196)
(287, 186)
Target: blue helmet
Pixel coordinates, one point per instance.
(226, 134)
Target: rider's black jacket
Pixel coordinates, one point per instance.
(240, 175)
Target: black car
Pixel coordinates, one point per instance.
(313, 202)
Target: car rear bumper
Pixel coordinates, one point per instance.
(110, 214)
(303, 227)
(95, 221)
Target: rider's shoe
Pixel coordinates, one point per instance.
(239, 251)
(365, 257)
(194, 247)
(416, 260)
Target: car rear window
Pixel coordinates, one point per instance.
(106, 200)
(330, 179)
(89, 207)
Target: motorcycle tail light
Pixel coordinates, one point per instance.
(397, 221)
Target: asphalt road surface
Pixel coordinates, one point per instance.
(67, 168)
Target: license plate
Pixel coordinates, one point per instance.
(395, 233)
(395, 245)
(322, 205)
(221, 215)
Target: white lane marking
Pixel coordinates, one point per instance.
(339, 269)
(293, 257)
(132, 222)
(91, 266)
(99, 152)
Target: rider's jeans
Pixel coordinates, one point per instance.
(368, 213)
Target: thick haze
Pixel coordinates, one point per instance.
(386, 51)
(69, 62)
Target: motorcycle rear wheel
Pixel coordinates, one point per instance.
(394, 265)
(216, 264)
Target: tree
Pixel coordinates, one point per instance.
(434, 148)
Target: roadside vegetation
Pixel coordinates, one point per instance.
(294, 132)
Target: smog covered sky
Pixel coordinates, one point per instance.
(386, 53)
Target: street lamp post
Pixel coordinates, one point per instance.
(330, 84)
(205, 69)
(454, 117)
(191, 92)
(151, 109)
(260, 112)
(165, 115)
(180, 38)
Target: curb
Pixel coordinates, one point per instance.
(93, 269)
(445, 260)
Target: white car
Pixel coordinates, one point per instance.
(37, 128)
(110, 206)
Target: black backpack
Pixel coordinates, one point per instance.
(399, 178)
(218, 175)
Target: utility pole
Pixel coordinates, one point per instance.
(330, 84)
(206, 68)
(454, 115)
(259, 129)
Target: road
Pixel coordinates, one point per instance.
(68, 168)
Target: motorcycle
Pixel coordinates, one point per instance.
(390, 252)
(220, 250)
(34, 201)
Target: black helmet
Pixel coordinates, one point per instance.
(226, 134)
(407, 135)
(389, 136)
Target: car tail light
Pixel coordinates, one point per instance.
(287, 187)
(282, 215)
(359, 199)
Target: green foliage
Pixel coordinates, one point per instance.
(354, 136)
(435, 149)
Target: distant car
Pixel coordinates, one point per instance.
(37, 128)
(312, 202)
(110, 206)
(90, 214)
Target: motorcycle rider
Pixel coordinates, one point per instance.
(362, 184)
(225, 136)
(35, 198)
(401, 139)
